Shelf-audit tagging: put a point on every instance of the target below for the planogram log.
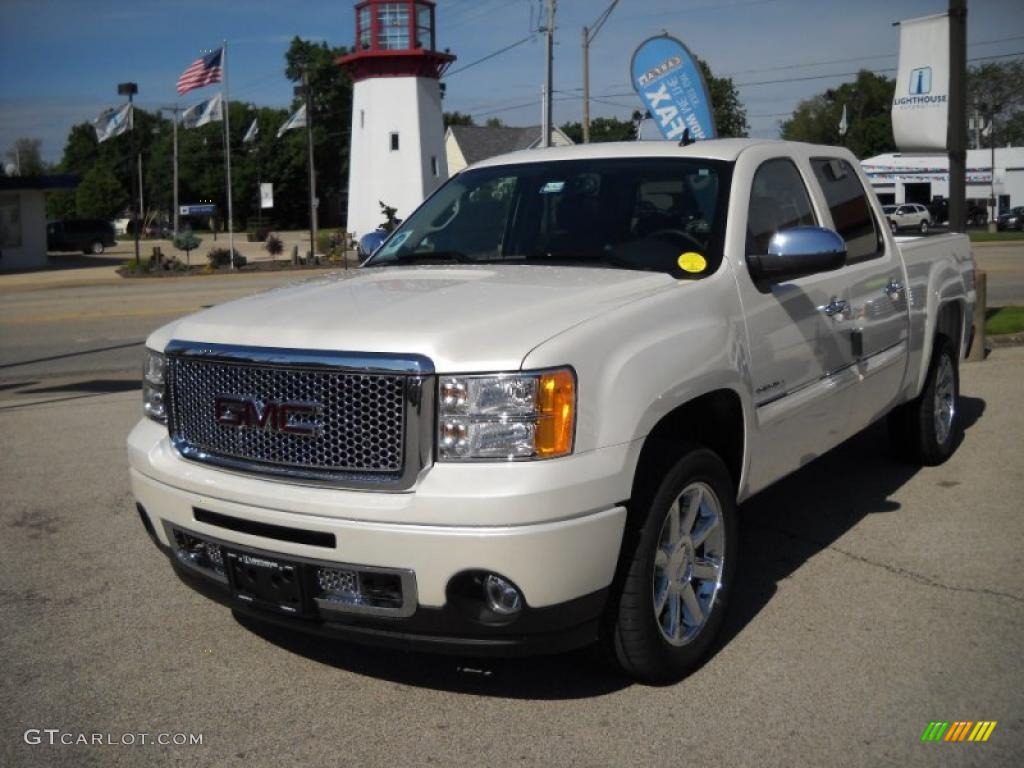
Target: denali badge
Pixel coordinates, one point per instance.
(289, 417)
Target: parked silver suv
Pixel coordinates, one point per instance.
(908, 216)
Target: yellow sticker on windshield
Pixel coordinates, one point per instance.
(692, 262)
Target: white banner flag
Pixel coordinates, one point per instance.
(113, 122)
(298, 120)
(209, 111)
(920, 109)
(266, 195)
(252, 133)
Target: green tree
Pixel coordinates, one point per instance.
(331, 89)
(495, 122)
(602, 129)
(994, 89)
(458, 118)
(868, 102)
(730, 115)
(100, 195)
(25, 155)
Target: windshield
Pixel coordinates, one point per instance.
(633, 213)
(888, 208)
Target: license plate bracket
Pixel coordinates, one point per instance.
(267, 582)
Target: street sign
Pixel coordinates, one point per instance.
(206, 209)
(266, 195)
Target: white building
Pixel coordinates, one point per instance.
(899, 178)
(397, 148)
(23, 219)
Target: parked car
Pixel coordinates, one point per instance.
(1011, 219)
(525, 423)
(977, 215)
(909, 216)
(85, 235)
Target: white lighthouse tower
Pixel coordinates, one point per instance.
(397, 149)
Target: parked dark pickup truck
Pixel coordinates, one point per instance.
(85, 235)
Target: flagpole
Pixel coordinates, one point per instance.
(227, 154)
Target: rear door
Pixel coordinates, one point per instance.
(878, 325)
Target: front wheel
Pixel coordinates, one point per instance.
(927, 429)
(923, 227)
(893, 227)
(96, 248)
(680, 570)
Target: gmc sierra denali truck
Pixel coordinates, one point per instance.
(524, 424)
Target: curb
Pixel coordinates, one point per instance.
(1006, 340)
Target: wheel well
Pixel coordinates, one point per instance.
(949, 323)
(714, 420)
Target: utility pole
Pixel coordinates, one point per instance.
(129, 90)
(957, 126)
(548, 75)
(304, 90)
(174, 110)
(589, 33)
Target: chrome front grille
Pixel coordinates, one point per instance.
(358, 421)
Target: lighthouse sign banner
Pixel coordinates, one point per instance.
(668, 79)
(920, 107)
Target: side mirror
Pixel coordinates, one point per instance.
(798, 252)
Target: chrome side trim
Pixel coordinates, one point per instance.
(355, 362)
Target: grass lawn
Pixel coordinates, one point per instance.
(1002, 320)
(983, 236)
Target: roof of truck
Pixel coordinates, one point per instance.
(715, 149)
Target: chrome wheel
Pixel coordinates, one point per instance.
(945, 399)
(688, 564)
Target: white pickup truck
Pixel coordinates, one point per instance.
(525, 423)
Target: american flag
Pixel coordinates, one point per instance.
(203, 71)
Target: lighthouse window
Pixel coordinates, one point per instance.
(393, 19)
(365, 27)
(424, 29)
(394, 142)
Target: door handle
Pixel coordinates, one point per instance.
(893, 289)
(836, 307)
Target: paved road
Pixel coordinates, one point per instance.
(873, 599)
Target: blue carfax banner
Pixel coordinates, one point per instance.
(669, 81)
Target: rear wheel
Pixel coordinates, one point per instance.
(680, 569)
(923, 226)
(893, 227)
(96, 248)
(927, 429)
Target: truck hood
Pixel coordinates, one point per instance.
(464, 318)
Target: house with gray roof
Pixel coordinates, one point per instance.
(468, 144)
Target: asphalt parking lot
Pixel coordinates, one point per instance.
(874, 598)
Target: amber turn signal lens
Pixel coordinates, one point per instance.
(556, 413)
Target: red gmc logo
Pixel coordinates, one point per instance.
(291, 418)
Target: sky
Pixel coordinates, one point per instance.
(62, 59)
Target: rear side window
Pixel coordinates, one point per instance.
(778, 201)
(851, 213)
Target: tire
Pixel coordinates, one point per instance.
(893, 227)
(679, 569)
(923, 226)
(927, 429)
(96, 248)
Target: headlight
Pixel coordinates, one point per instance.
(153, 370)
(506, 416)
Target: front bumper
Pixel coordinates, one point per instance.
(563, 565)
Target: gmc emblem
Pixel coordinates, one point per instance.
(287, 417)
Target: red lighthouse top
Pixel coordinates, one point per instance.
(395, 38)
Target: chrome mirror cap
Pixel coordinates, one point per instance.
(798, 252)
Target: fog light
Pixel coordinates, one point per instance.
(199, 553)
(502, 595)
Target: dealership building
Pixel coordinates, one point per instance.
(910, 178)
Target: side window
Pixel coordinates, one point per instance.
(778, 201)
(851, 213)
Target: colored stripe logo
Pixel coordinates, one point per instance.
(958, 730)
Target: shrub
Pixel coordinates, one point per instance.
(219, 257)
(187, 241)
(274, 245)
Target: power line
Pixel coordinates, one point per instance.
(490, 56)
